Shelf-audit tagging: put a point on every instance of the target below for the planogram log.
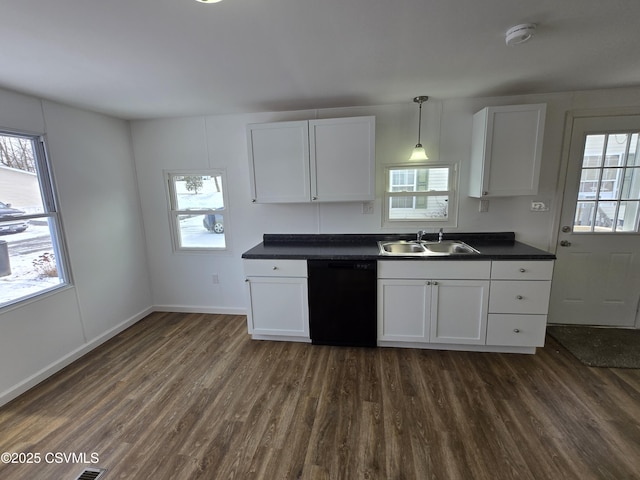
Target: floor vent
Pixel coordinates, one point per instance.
(91, 474)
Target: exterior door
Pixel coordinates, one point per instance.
(597, 273)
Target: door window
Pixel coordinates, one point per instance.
(609, 192)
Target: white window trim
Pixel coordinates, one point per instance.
(175, 213)
(452, 193)
(51, 213)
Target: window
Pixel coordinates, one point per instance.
(198, 209)
(609, 193)
(419, 194)
(32, 259)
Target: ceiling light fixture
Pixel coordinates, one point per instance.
(208, 1)
(418, 152)
(520, 33)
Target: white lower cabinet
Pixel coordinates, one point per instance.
(459, 311)
(416, 308)
(404, 308)
(278, 306)
(516, 330)
(519, 302)
(475, 305)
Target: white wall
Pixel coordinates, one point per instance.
(183, 281)
(94, 172)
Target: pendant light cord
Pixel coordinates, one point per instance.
(419, 122)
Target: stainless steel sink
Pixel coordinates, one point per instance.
(404, 248)
(450, 247)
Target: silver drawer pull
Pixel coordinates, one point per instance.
(516, 330)
(519, 297)
(275, 268)
(522, 270)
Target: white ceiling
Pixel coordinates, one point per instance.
(159, 58)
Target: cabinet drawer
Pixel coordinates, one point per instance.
(516, 330)
(522, 270)
(436, 269)
(275, 268)
(519, 297)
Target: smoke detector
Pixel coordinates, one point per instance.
(520, 33)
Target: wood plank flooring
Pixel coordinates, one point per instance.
(189, 396)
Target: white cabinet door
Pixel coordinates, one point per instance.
(342, 153)
(459, 311)
(279, 162)
(403, 310)
(506, 150)
(279, 307)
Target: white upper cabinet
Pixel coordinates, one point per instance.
(278, 171)
(506, 150)
(328, 160)
(342, 159)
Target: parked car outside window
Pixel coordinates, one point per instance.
(214, 223)
(7, 223)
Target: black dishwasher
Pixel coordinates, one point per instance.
(342, 302)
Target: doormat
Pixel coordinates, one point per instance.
(600, 347)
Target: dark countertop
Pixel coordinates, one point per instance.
(492, 246)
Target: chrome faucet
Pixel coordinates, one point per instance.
(440, 235)
(421, 233)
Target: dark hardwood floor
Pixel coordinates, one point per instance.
(187, 396)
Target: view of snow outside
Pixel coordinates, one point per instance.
(24, 248)
(192, 231)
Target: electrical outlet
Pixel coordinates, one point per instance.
(539, 206)
(367, 208)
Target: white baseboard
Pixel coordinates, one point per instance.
(46, 372)
(200, 309)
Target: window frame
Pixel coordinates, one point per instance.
(451, 193)
(50, 212)
(175, 213)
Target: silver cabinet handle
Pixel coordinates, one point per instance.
(314, 198)
(428, 283)
(516, 330)
(519, 297)
(522, 270)
(275, 268)
(565, 243)
(435, 283)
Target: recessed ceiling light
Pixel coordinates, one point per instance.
(208, 1)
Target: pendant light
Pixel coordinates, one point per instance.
(419, 152)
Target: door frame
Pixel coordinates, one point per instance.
(570, 118)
